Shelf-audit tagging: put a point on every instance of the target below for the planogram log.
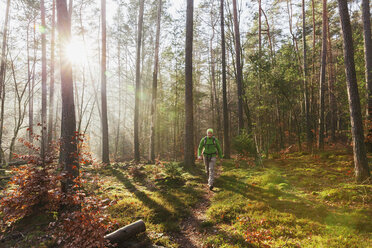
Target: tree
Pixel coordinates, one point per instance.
(2, 76)
(189, 156)
(322, 77)
(68, 121)
(366, 15)
(43, 84)
(331, 89)
(309, 135)
(51, 86)
(105, 138)
(226, 138)
(155, 85)
(362, 172)
(138, 81)
(239, 74)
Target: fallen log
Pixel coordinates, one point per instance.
(16, 163)
(126, 232)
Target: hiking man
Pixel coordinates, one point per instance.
(211, 146)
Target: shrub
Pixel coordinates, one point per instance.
(79, 217)
(172, 170)
(244, 143)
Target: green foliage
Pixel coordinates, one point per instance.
(173, 170)
(244, 143)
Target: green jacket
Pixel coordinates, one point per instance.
(209, 147)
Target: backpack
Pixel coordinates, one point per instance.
(214, 140)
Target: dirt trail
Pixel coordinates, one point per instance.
(190, 235)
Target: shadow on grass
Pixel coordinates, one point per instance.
(161, 213)
(297, 206)
(196, 171)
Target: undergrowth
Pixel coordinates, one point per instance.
(300, 201)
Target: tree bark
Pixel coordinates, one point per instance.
(105, 138)
(331, 91)
(138, 82)
(126, 232)
(51, 86)
(155, 86)
(43, 85)
(322, 77)
(309, 135)
(366, 15)
(68, 121)
(362, 172)
(226, 138)
(2, 76)
(189, 156)
(239, 76)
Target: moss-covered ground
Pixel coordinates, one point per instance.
(301, 200)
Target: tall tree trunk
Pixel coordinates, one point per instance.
(313, 77)
(68, 121)
(309, 135)
(31, 91)
(105, 138)
(138, 82)
(189, 156)
(362, 172)
(226, 139)
(322, 77)
(2, 76)
(119, 118)
(239, 76)
(51, 87)
(259, 27)
(331, 79)
(155, 86)
(366, 15)
(43, 84)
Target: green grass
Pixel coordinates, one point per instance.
(162, 196)
(303, 201)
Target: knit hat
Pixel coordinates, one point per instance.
(209, 130)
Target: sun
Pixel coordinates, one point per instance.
(75, 52)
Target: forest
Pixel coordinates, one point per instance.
(185, 123)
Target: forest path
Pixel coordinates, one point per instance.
(191, 235)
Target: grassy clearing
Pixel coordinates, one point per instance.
(302, 201)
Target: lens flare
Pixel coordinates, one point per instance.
(76, 52)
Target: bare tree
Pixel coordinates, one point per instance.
(19, 107)
(362, 172)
